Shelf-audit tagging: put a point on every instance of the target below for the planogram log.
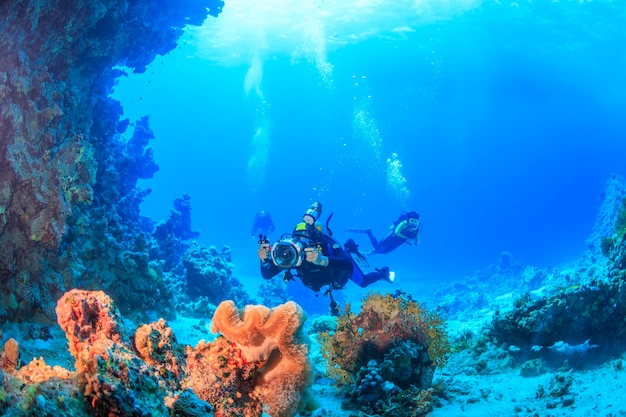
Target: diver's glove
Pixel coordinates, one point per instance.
(316, 258)
(264, 252)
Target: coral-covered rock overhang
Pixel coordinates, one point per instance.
(69, 205)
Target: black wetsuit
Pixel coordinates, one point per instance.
(392, 241)
(389, 243)
(335, 275)
(358, 277)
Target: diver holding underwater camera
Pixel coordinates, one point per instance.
(289, 252)
(314, 257)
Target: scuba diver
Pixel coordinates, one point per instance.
(314, 257)
(263, 224)
(406, 229)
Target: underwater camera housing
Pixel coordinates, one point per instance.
(288, 252)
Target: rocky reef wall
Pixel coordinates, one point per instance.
(69, 204)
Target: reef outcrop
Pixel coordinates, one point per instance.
(257, 364)
(69, 204)
(385, 356)
(570, 315)
(581, 319)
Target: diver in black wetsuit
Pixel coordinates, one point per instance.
(263, 224)
(406, 229)
(314, 257)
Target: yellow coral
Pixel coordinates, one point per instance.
(38, 371)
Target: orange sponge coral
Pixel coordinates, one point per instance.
(87, 316)
(272, 339)
(156, 344)
(10, 358)
(220, 375)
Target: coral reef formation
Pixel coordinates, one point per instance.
(156, 344)
(69, 204)
(170, 236)
(582, 318)
(608, 233)
(257, 363)
(221, 376)
(611, 205)
(613, 245)
(110, 378)
(271, 337)
(570, 315)
(604, 260)
(209, 275)
(391, 345)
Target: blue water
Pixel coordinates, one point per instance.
(507, 120)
